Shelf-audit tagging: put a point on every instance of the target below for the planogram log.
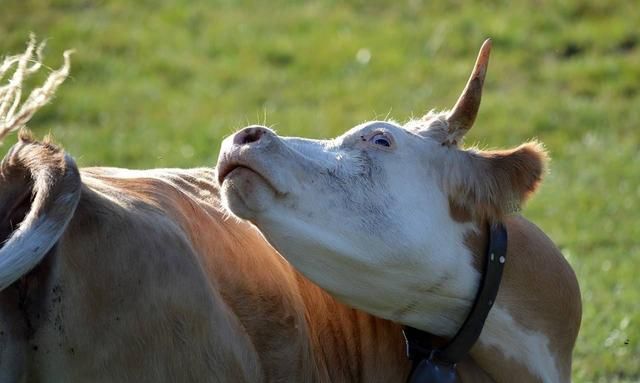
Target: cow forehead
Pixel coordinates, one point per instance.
(374, 125)
(349, 137)
(355, 134)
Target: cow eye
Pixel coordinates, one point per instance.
(381, 139)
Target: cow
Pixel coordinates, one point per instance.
(116, 275)
(393, 219)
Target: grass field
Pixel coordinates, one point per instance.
(159, 83)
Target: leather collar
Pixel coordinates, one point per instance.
(438, 364)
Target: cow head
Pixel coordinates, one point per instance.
(378, 216)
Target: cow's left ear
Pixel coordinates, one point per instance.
(490, 184)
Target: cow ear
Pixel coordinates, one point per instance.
(490, 184)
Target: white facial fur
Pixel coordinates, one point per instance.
(369, 223)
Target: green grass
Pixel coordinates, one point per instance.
(159, 83)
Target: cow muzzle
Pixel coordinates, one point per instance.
(254, 168)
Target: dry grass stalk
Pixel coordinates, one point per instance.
(13, 114)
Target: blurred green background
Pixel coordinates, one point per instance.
(160, 83)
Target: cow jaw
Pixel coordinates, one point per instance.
(365, 220)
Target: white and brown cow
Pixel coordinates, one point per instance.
(113, 275)
(392, 220)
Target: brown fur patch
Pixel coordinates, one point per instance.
(490, 184)
(459, 213)
(540, 289)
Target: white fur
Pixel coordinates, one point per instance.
(390, 248)
(528, 347)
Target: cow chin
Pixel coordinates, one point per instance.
(246, 193)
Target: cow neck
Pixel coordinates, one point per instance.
(438, 364)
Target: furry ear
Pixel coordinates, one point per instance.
(490, 184)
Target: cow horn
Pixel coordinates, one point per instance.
(464, 113)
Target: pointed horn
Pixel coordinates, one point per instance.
(464, 113)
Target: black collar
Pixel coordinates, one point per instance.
(437, 364)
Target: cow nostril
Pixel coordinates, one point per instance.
(249, 135)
